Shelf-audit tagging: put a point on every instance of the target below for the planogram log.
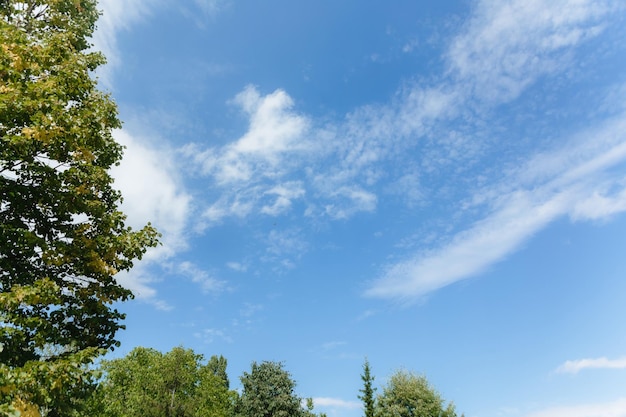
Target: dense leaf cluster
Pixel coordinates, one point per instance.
(406, 395)
(148, 383)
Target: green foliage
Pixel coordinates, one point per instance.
(147, 383)
(268, 391)
(62, 237)
(53, 388)
(410, 395)
(367, 392)
(217, 367)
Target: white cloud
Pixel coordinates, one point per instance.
(350, 200)
(573, 367)
(410, 46)
(522, 204)
(235, 204)
(341, 161)
(140, 281)
(211, 335)
(328, 402)
(599, 206)
(470, 252)
(616, 408)
(332, 345)
(275, 132)
(148, 177)
(207, 282)
(251, 171)
(285, 242)
(152, 192)
(237, 266)
(507, 45)
(274, 127)
(504, 48)
(250, 309)
(284, 195)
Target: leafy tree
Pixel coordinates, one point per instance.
(367, 391)
(213, 397)
(133, 385)
(268, 391)
(410, 395)
(151, 384)
(308, 411)
(217, 367)
(62, 237)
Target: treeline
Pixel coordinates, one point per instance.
(181, 383)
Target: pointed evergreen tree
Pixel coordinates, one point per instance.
(368, 391)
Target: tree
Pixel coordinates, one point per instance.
(133, 385)
(213, 397)
(410, 395)
(368, 391)
(147, 383)
(62, 237)
(268, 391)
(217, 367)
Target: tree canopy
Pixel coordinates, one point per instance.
(411, 395)
(147, 383)
(62, 236)
(268, 391)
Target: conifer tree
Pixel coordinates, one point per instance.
(367, 392)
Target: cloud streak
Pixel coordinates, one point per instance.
(574, 181)
(333, 403)
(616, 408)
(575, 366)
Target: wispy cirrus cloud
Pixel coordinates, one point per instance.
(575, 366)
(577, 180)
(615, 408)
(206, 280)
(505, 47)
(209, 336)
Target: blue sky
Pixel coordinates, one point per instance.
(437, 187)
